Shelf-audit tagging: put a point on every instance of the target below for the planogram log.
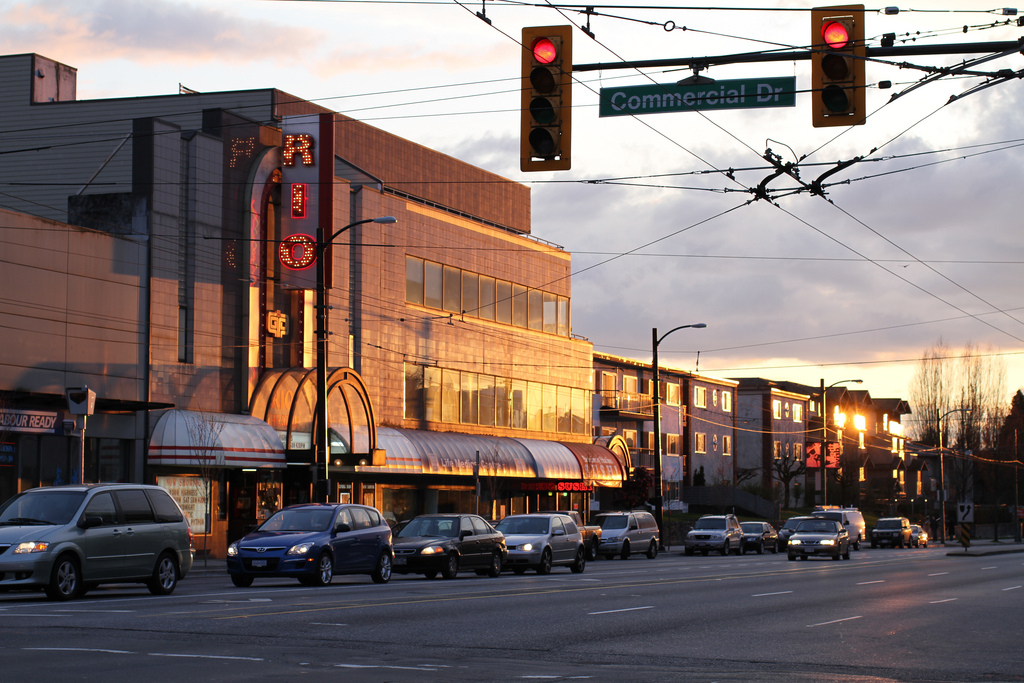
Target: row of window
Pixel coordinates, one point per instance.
(782, 410)
(460, 291)
(669, 392)
(438, 395)
(670, 442)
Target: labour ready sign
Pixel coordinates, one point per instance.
(748, 93)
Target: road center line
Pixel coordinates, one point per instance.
(628, 609)
(868, 583)
(79, 649)
(192, 656)
(939, 574)
(937, 602)
(1011, 588)
(761, 595)
(836, 621)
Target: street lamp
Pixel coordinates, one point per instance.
(824, 434)
(322, 436)
(942, 474)
(656, 340)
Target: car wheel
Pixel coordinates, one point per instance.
(519, 570)
(165, 576)
(545, 562)
(740, 549)
(65, 579)
(625, 551)
(241, 580)
(580, 564)
(873, 544)
(760, 548)
(792, 557)
(495, 568)
(837, 556)
(900, 543)
(704, 553)
(856, 544)
(725, 548)
(382, 570)
(652, 550)
(846, 555)
(324, 570)
(592, 554)
(430, 575)
(609, 557)
(451, 567)
(775, 548)
(688, 551)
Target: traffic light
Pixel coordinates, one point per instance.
(546, 109)
(837, 66)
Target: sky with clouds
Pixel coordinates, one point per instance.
(920, 241)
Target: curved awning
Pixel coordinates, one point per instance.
(599, 464)
(195, 439)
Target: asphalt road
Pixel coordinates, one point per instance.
(886, 614)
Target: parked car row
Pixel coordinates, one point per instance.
(316, 541)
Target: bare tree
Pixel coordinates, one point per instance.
(930, 394)
(787, 468)
(204, 437)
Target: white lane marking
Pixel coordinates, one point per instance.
(324, 623)
(192, 656)
(868, 583)
(939, 602)
(100, 611)
(386, 666)
(628, 609)
(939, 574)
(984, 568)
(761, 595)
(835, 621)
(1011, 588)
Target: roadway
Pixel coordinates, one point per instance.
(886, 614)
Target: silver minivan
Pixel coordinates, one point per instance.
(625, 533)
(66, 539)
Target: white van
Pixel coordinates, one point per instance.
(625, 533)
(851, 518)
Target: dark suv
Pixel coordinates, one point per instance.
(894, 531)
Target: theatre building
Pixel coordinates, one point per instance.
(163, 252)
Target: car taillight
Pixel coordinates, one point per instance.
(191, 539)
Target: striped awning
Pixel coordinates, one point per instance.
(194, 439)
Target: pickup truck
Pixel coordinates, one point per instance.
(591, 534)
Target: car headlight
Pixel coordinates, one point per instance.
(30, 547)
(432, 550)
(233, 549)
(526, 547)
(794, 541)
(828, 541)
(300, 549)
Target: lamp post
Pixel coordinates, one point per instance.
(656, 340)
(322, 435)
(942, 475)
(824, 434)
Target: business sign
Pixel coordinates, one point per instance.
(29, 422)
(307, 189)
(748, 93)
(560, 486)
(833, 455)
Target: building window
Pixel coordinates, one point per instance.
(628, 384)
(777, 409)
(700, 397)
(671, 394)
(727, 401)
(714, 397)
(726, 445)
(700, 442)
(630, 437)
(777, 450)
(798, 412)
(798, 452)
(670, 444)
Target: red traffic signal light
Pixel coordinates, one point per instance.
(546, 99)
(837, 66)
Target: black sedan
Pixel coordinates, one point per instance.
(819, 537)
(759, 536)
(447, 543)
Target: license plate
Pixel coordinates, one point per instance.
(400, 560)
(259, 563)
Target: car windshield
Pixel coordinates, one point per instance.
(41, 507)
(431, 526)
(792, 523)
(888, 524)
(710, 523)
(614, 521)
(752, 527)
(299, 519)
(523, 525)
(817, 526)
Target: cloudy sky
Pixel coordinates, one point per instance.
(922, 241)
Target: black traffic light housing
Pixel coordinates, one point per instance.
(837, 66)
(546, 106)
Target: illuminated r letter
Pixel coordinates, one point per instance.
(301, 145)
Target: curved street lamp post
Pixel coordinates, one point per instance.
(658, 492)
(942, 475)
(824, 434)
(322, 436)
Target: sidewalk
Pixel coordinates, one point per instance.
(981, 547)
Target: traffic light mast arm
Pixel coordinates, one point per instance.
(1005, 47)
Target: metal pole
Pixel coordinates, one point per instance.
(942, 490)
(824, 446)
(658, 510)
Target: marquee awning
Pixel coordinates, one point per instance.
(187, 438)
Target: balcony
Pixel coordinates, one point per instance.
(625, 405)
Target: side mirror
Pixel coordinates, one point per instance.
(342, 528)
(90, 522)
(464, 533)
(558, 532)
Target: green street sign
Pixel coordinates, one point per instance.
(747, 93)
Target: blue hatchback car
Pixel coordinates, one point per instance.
(312, 543)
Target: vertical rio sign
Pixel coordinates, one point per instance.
(307, 189)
